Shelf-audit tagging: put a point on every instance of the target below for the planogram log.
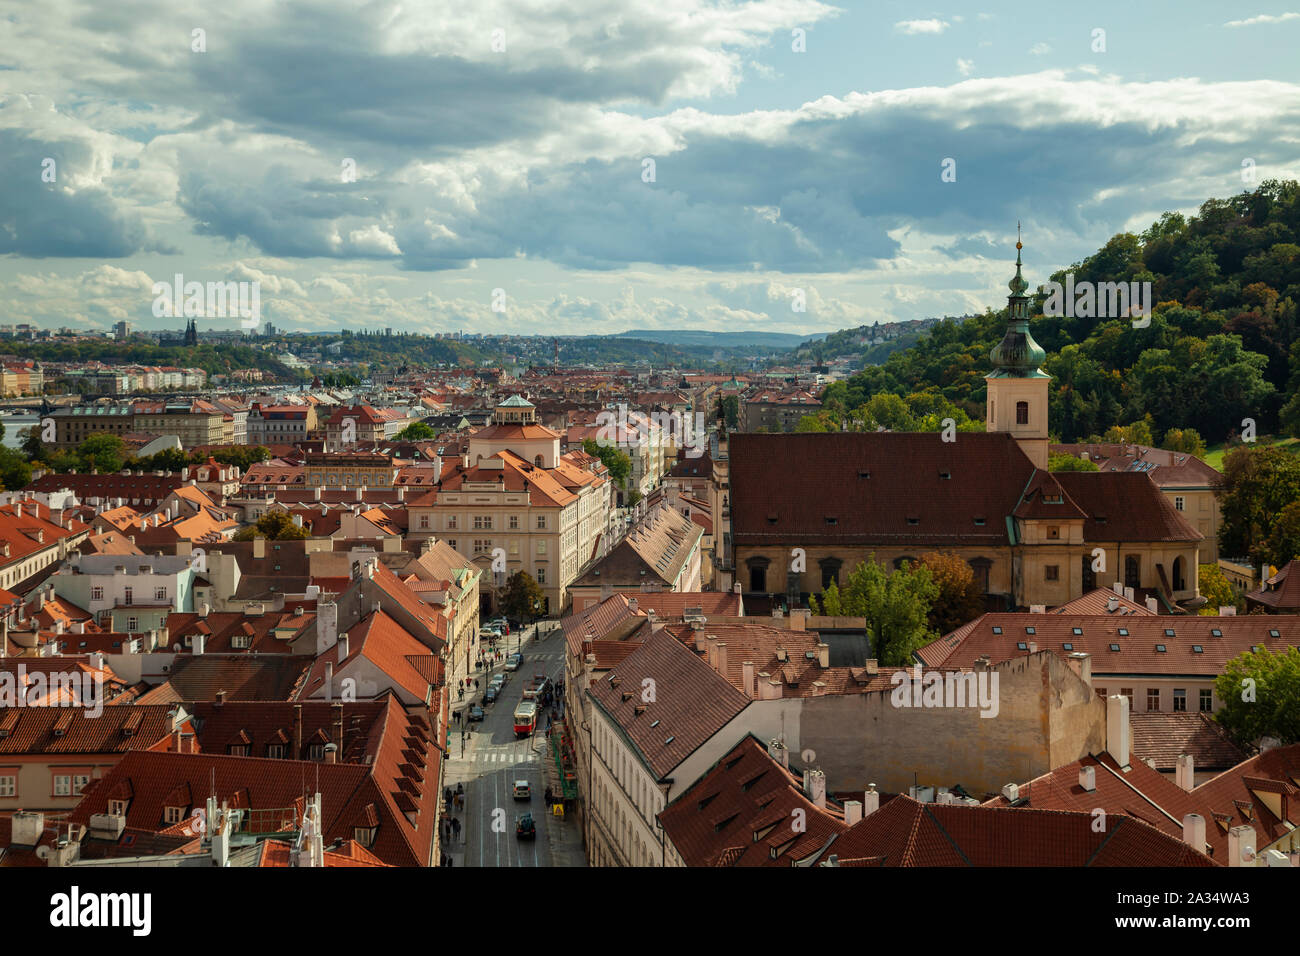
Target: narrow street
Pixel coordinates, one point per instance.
(493, 759)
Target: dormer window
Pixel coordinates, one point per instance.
(117, 808)
(173, 814)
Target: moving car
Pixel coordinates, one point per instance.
(525, 829)
(522, 790)
(513, 661)
(475, 712)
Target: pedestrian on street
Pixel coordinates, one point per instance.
(455, 827)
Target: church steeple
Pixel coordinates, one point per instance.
(1018, 355)
(1017, 396)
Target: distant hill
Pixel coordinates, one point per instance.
(722, 340)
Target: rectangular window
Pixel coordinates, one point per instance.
(1180, 700)
(541, 547)
(8, 786)
(1053, 532)
(541, 575)
(275, 751)
(97, 593)
(79, 783)
(316, 752)
(514, 522)
(1128, 692)
(117, 807)
(1052, 572)
(451, 522)
(1207, 700)
(424, 522)
(1178, 502)
(173, 814)
(63, 785)
(132, 625)
(160, 594)
(541, 522)
(128, 596)
(1153, 698)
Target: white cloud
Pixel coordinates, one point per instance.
(965, 67)
(1039, 49)
(915, 27)
(1263, 18)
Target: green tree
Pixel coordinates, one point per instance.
(103, 451)
(1284, 540)
(729, 411)
(15, 470)
(32, 446)
(169, 459)
(416, 431)
(1186, 440)
(241, 456)
(522, 598)
(1059, 462)
(1258, 484)
(1215, 588)
(896, 607)
(1261, 696)
(276, 525)
(614, 458)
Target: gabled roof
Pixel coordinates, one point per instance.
(691, 705)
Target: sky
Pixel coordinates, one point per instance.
(593, 166)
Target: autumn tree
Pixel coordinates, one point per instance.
(959, 597)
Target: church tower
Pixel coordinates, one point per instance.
(1017, 387)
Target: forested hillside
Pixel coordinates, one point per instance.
(1221, 345)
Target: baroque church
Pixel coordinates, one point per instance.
(807, 508)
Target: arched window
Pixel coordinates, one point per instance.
(538, 461)
(1132, 571)
(1022, 413)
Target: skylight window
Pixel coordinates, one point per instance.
(1123, 632)
(1030, 630)
(1275, 633)
(1216, 632)
(1077, 631)
(1161, 649)
(1169, 632)
(1114, 647)
(1197, 649)
(1068, 646)
(996, 629)
(1022, 646)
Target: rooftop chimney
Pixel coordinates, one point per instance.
(747, 678)
(1194, 831)
(1185, 772)
(1088, 778)
(297, 732)
(327, 626)
(823, 656)
(259, 546)
(870, 800)
(814, 784)
(852, 812)
(1117, 728)
(777, 750)
(1241, 846)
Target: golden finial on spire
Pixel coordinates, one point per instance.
(1018, 244)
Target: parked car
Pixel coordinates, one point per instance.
(491, 694)
(498, 681)
(475, 712)
(513, 662)
(525, 829)
(522, 790)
